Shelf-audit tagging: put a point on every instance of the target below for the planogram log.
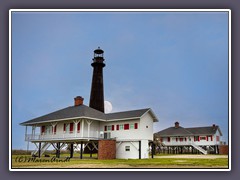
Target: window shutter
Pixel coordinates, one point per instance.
(105, 128)
(135, 125)
(112, 127)
(55, 129)
(185, 139)
(207, 138)
(71, 127)
(211, 138)
(198, 138)
(168, 139)
(78, 127)
(43, 129)
(64, 127)
(126, 126)
(117, 126)
(176, 139)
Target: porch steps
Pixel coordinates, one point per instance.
(43, 149)
(199, 148)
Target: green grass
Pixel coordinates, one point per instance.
(121, 163)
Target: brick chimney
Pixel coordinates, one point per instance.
(176, 124)
(78, 101)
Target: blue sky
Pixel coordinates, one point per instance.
(173, 62)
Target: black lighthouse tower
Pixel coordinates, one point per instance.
(97, 93)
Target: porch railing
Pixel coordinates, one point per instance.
(66, 135)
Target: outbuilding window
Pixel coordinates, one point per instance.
(202, 138)
(127, 148)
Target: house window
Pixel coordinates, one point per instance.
(196, 138)
(126, 126)
(168, 139)
(48, 129)
(121, 126)
(202, 138)
(42, 129)
(67, 127)
(127, 148)
(55, 129)
(71, 128)
(131, 126)
(78, 127)
(135, 125)
(217, 138)
(117, 127)
(112, 127)
(109, 128)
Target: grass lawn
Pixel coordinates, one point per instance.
(21, 161)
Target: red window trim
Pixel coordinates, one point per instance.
(105, 128)
(211, 138)
(64, 127)
(117, 126)
(112, 127)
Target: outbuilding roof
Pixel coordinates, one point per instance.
(180, 131)
(172, 131)
(83, 111)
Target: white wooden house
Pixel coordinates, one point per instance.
(80, 124)
(203, 139)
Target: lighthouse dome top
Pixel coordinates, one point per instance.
(98, 51)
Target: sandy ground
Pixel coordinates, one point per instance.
(193, 156)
